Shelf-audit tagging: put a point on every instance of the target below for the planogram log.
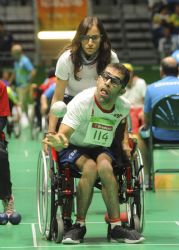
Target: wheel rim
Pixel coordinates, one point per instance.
(42, 192)
(135, 208)
(142, 191)
(50, 200)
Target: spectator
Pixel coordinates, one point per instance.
(24, 72)
(6, 42)
(40, 102)
(135, 93)
(168, 43)
(12, 95)
(7, 76)
(154, 5)
(159, 19)
(169, 84)
(46, 98)
(92, 155)
(174, 19)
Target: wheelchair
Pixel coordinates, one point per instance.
(54, 191)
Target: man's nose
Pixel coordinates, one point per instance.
(108, 82)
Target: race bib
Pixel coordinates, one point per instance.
(100, 132)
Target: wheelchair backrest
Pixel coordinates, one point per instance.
(165, 113)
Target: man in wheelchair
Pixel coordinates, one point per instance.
(84, 140)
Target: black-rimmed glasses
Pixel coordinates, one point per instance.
(116, 81)
(86, 38)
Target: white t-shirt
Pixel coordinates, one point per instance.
(88, 73)
(83, 107)
(135, 95)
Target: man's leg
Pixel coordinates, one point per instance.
(5, 183)
(109, 185)
(110, 195)
(5, 178)
(85, 187)
(84, 196)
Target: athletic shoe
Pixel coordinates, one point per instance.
(67, 223)
(8, 205)
(126, 235)
(75, 235)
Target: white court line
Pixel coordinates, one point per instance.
(34, 235)
(103, 222)
(26, 153)
(93, 245)
(159, 221)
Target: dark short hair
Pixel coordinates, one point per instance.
(123, 70)
(51, 72)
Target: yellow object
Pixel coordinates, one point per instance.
(129, 66)
(166, 181)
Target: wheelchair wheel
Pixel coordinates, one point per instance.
(48, 208)
(45, 197)
(135, 204)
(57, 229)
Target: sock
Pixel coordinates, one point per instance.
(82, 223)
(115, 223)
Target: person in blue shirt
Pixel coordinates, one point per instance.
(24, 72)
(167, 85)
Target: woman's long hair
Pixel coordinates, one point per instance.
(104, 55)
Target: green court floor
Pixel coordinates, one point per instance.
(161, 211)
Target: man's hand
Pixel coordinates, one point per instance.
(57, 141)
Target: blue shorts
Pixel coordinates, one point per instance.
(72, 153)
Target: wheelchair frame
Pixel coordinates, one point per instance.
(53, 191)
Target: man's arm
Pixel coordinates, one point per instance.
(61, 139)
